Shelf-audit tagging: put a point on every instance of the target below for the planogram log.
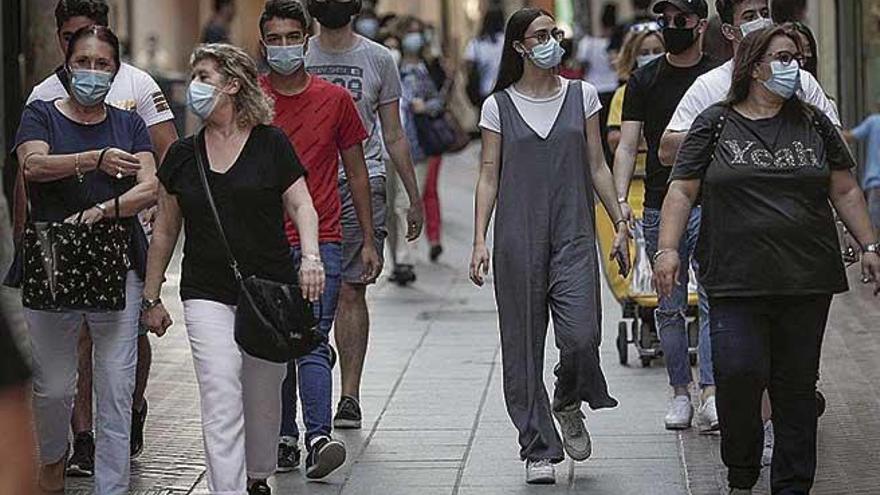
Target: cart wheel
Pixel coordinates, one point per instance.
(693, 359)
(821, 404)
(622, 343)
(646, 361)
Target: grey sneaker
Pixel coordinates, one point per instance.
(540, 472)
(575, 437)
(769, 440)
(707, 416)
(288, 455)
(680, 413)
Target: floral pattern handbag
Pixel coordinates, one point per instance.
(75, 266)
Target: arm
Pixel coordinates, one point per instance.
(669, 145)
(603, 183)
(849, 201)
(40, 166)
(485, 198)
(625, 163)
(301, 211)
(166, 231)
(359, 182)
(398, 147)
(133, 201)
(614, 138)
(162, 135)
(673, 220)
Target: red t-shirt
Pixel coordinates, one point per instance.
(320, 122)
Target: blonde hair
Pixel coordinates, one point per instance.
(632, 43)
(252, 106)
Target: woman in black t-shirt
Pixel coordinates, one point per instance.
(767, 166)
(255, 179)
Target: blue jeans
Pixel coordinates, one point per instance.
(314, 370)
(670, 314)
(769, 343)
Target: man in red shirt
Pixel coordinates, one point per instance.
(323, 124)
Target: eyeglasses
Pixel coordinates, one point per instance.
(678, 21)
(650, 26)
(785, 57)
(544, 36)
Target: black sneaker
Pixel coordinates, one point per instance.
(138, 420)
(348, 414)
(260, 488)
(435, 253)
(82, 463)
(325, 456)
(403, 275)
(288, 455)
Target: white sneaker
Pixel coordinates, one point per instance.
(680, 414)
(575, 437)
(540, 472)
(769, 439)
(707, 416)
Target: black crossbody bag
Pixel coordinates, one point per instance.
(273, 321)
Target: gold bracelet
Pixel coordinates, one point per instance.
(77, 170)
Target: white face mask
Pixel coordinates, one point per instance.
(643, 60)
(755, 25)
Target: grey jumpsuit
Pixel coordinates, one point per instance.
(545, 258)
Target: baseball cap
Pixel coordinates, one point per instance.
(698, 7)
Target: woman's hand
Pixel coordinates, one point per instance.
(91, 216)
(156, 319)
(479, 264)
(311, 278)
(666, 267)
(871, 270)
(620, 250)
(119, 164)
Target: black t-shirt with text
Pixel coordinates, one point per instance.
(652, 95)
(767, 225)
(249, 200)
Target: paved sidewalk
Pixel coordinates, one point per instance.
(435, 421)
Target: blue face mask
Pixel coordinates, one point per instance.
(201, 98)
(785, 79)
(643, 60)
(413, 43)
(90, 87)
(547, 55)
(285, 60)
(367, 27)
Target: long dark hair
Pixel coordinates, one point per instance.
(493, 23)
(512, 63)
(811, 64)
(750, 53)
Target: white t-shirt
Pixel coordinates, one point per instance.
(539, 113)
(600, 73)
(713, 86)
(486, 54)
(132, 89)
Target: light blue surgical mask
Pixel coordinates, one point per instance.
(285, 60)
(755, 25)
(643, 60)
(413, 43)
(90, 87)
(201, 98)
(785, 80)
(547, 55)
(368, 27)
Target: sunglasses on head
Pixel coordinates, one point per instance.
(642, 27)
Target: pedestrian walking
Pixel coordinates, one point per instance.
(482, 57)
(869, 130)
(321, 121)
(652, 93)
(739, 18)
(131, 89)
(367, 70)
(85, 161)
(255, 178)
(766, 165)
(542, 159)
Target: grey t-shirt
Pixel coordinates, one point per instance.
(368, 72)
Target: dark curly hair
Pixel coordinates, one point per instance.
(283, 9)
(96, 10)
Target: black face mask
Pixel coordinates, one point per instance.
(678, 40)
(333, 14)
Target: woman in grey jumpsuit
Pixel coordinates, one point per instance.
(545, 257)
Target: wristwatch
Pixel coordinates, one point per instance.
(147, 304)
(102, 208)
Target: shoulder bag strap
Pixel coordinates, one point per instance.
(198, 139)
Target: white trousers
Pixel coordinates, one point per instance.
(240, 400)
(54, 338)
